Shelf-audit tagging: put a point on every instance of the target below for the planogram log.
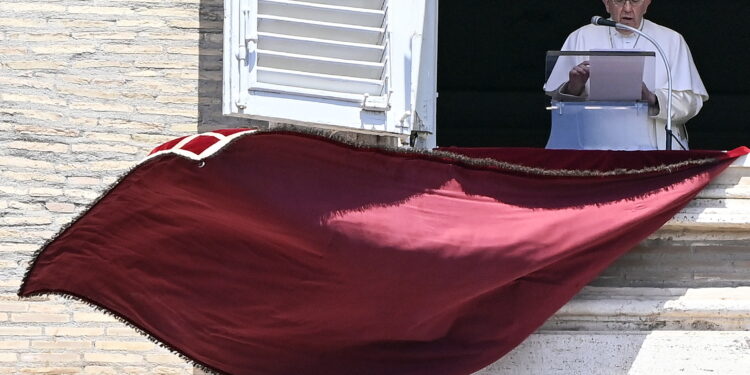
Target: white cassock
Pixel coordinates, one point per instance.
(688, 90)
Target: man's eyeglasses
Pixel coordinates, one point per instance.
(620, 3)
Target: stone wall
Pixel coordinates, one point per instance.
(87, 88)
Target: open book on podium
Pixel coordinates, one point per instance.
(610, 114)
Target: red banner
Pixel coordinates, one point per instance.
(283, 253)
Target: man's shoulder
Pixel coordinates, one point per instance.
(654, 28)
(584, 32)
(586, 29)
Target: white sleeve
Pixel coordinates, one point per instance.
(685, 105)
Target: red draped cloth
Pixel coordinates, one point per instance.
(282, 253)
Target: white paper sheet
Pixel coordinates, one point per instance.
(616, 78)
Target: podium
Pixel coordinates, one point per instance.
(605, 117)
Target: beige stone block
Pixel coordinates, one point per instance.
(50, 370)
(125, 345)
(39, 318)
(25, 220)
(16, 248)
(45, 192)
(101, 107)
(39, 146)
(14, 344)
(23, 235)
(92, 317)
(20, 331)
(108, 137)
(81, 24)
(132, 370)
(185, 24)
(20, 7)
(112, 358)
(10, 51)
(145, 73)
(60, 207)
(152, 139)
(128, 124)
(90, 93)
(101, 64)
(191, 36)
(137, 95)
(34, 65)
(169, 12)
(164, 358)
(99, 166)
(164, 370)
(105, 35)
(84, 121)
(39, 37)
(165, 87)
(177, 99)
(46, 130)
(33, 113)
(13, 161)
(86, 194)
(89, 147)
(48, 307)
(73, 331)
(13, 22)
(24, 206)
(167, 64)
(34, 82)
(62, 49)
(13, 283)
(84, 181)
(101, 370)
(122, 332)
(8, 264)
(100, 10)
(151, 23)
(169, 111)
(8, 357)
(132, 49)
(186, 128)
(61, 345)
(38, 99)
(13, 190)
(50, 357)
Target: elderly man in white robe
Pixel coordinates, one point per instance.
(688, 90)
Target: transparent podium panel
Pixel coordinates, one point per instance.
(609, 114)
(615, 75)
(601, 126)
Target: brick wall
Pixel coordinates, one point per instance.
(87, 88)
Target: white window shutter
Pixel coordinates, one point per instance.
(366, 65)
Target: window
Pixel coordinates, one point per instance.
(365, 65)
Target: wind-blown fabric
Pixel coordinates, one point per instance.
(280, 253)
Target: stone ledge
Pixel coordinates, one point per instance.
(646, 309)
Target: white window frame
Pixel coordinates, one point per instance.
(411, 78)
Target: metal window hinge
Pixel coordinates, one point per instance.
(377, 103)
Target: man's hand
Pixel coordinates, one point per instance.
(650, 97)
(577, 78)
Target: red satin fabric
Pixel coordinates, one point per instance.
(291, 254)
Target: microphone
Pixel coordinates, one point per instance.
(601, 21)
(597, 20)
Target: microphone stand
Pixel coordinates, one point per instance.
(666, 65)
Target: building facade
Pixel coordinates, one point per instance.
(88, 87)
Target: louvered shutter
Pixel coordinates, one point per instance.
(343, 63)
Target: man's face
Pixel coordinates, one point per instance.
(627, 13)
